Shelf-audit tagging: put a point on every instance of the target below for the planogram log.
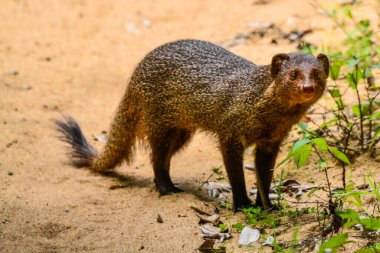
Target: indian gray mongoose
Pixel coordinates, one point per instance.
(191, 85)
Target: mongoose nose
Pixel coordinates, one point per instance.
(307, 89)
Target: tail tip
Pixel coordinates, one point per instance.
(81, 153)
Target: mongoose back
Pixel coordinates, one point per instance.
(191, 85)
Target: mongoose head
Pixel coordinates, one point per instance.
(300, 78)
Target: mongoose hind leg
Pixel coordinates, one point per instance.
(164, 145)
(265, 157)
(232, 152)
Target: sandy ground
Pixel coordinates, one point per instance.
(75, 57)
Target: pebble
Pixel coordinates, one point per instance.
(159, 219)
(248, 236)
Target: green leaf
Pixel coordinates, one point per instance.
(358, 200)
(349, 187)
(299, 144)
(358, 75)
(351, 81)
(348, 214)
(370, 223)
(223, 227)
(347, 11)
(368, 73)
(352, 62)
(376, 66)
(302, 155)
(333, 244)
(339, 155)
(300, 152)
(365, 108)
(375, 115)
(329, 123)
(321, 143)
(354, 78)
(334, 71)
(322, 164)
(375, 189)
(352, 193)
(311, 192)
(303, 125)
(335, 93)
(367, 250)
(355, 110)
(364, 25)
(238, 226)
(350, 224)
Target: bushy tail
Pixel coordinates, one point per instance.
(120, 144)
(81, 153)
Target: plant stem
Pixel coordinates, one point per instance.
(325, 170)
(361, 140)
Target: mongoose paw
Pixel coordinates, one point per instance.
(271, 206)
(241, 205)
(169, 191)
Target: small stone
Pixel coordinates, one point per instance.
(100, 137)
(159, 219)
(132, 28)
(248, 236)
(146, 22)
(10, 173)
(269, 241)
(251, 167)
(67, 210)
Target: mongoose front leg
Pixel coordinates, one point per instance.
(265, 159)
(232, 151)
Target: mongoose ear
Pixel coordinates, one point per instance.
(277, 61)
(325, 63)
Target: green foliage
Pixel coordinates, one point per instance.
(238, 226)
(294, 242)
(218, 172)
(374, 187)
(348, 128)
(354, 218)
(335, 135)
(374, 249)
(302, 149)
(223, 227)
(257, 217)
(333, 244)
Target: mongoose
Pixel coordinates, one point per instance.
(190, 85)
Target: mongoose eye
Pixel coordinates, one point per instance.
(317, 75)
(293, 75)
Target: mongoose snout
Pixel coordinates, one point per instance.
(191, 85)
(307, 89)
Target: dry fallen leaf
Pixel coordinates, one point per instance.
(202, 210)
(209, 219)
(212, 232)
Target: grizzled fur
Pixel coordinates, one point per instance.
(192, 85)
